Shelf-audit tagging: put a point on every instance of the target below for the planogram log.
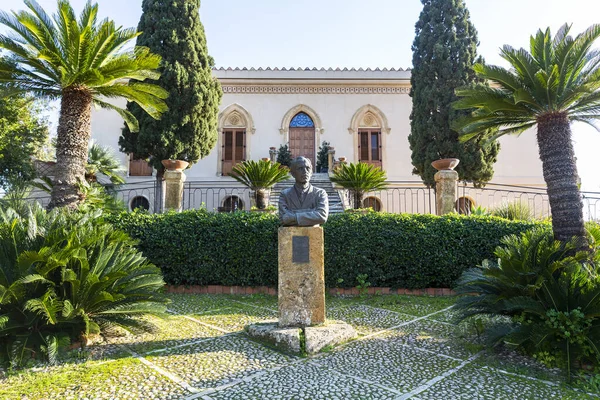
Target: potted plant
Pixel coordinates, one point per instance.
(284, 156)
(323, 157)
(260, 177)
(359, 179)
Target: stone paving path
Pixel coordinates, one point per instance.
(407, 349)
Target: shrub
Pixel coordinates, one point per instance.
(284, 155)
(201, 248)
(67, 276)
(323, 157)
(516, 211)
(549, 289)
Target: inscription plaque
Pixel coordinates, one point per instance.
(300, 249)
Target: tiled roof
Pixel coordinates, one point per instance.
(307, 69)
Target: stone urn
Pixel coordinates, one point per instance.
(445, 164)
(175, 165)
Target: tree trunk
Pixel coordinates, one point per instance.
(357, 196)
(74, 131)
(560, 173)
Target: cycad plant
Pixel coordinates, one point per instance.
(66, 276)
(102, 160)
(553, 84)
(516, 211)
(359, 179)
(259, 176)
(550, 291)
(81, 62)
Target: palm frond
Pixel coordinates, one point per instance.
(257, 175)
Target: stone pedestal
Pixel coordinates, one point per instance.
(301, 276)
(273, 154)
(174, 190)
(330, 158)
(301, 328)
(445, 191)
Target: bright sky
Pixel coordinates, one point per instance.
(361, 33)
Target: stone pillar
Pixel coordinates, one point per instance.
(330, 157)
(445, 191)
(174, 189)
(273, 154)
(301, 276)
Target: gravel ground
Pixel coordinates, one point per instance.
(408, 348)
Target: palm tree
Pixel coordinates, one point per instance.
(550, 86)
(102, 160)
(82, 62)
(359, 179)
(259, 176)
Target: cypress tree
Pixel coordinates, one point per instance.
(444, 50)
(188, 131)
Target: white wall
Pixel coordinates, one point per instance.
(518, 162)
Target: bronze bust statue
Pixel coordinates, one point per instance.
(303, 204)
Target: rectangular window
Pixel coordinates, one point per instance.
(370, 146)
(228, 153)
(234, 149)
(375, 146)
(239, 146)
(364, 146)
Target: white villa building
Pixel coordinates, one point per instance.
(363, 114)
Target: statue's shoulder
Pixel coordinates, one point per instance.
(318, 190)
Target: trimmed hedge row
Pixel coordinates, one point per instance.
(393, 250)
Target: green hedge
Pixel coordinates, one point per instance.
(405, 250)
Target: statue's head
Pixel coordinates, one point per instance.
(301, 169)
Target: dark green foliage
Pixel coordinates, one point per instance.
(188, 131)
(284, 156)
(323, 157)
(22, 134)
(414, 251)
(444, 50)
(549, 289)
(65, 276)
(201, 248)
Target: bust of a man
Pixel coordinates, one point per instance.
(303, 204)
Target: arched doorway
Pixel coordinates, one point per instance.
(302, 136)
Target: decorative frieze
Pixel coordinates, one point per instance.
(303, 89)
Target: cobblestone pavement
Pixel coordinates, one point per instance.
(408, 348)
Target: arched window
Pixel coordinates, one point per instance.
(234, 124)
(302, 136)
(464, 205)
(367, 124)
(302, 120)
(232, 204)
(372, 202)
(139, 202)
